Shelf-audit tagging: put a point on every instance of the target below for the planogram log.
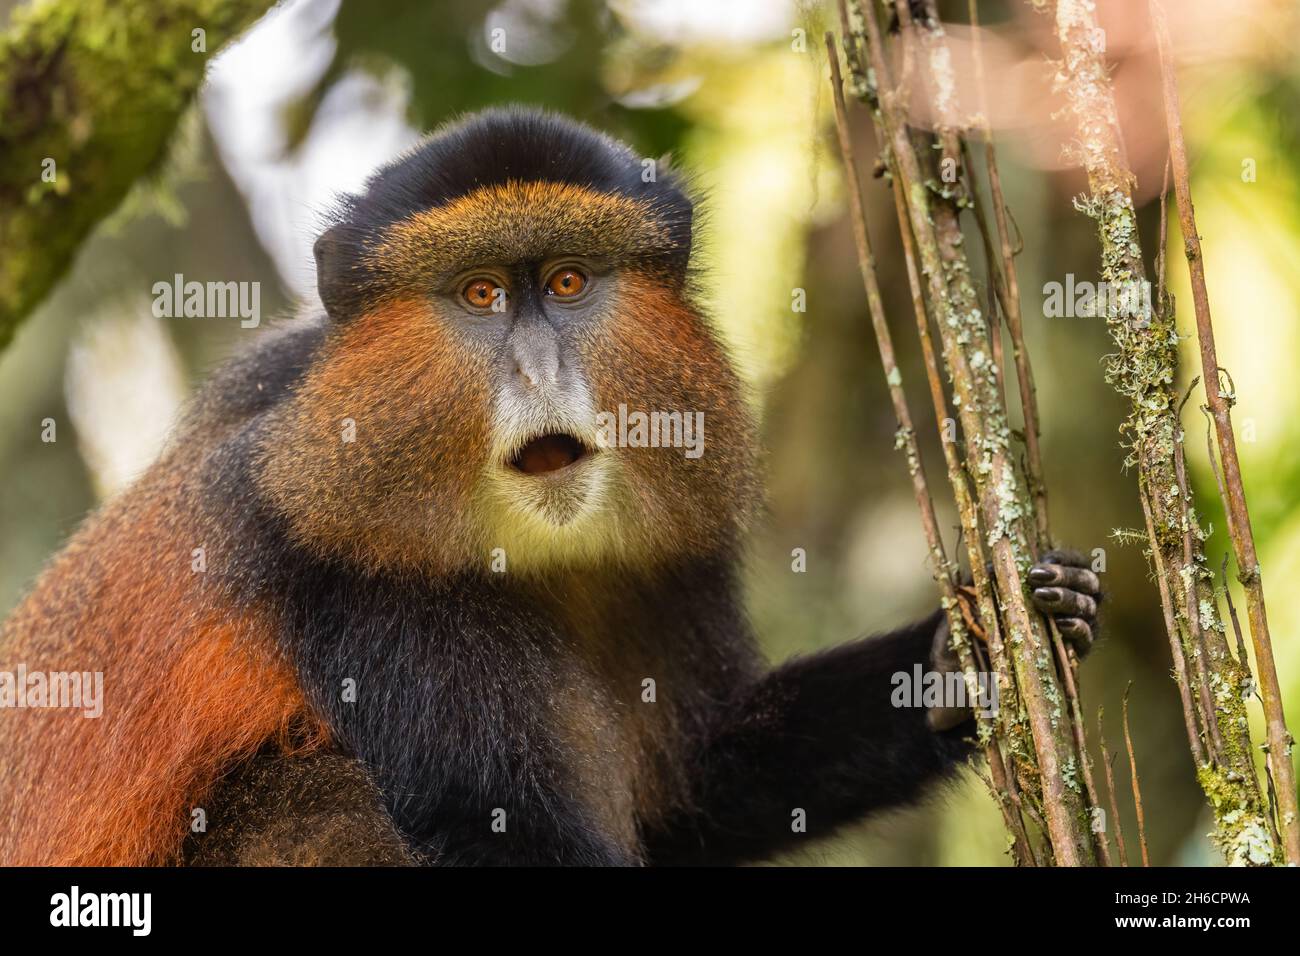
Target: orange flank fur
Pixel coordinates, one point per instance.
(190, 686)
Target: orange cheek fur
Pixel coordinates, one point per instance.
(653, 353)
(397, 495)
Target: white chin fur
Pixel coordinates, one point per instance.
(558, 498)
(572, 517)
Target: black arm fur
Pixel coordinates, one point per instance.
(820, 734)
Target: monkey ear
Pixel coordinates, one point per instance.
(331, 272)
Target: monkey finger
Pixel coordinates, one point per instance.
(1076, 632)
(1076, 579)
(1064, 556)
(1065, 601)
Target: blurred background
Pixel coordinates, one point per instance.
(319, 93)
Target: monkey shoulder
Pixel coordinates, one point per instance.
(261, 375)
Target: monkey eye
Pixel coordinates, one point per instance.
(479, 293)
(566, 283)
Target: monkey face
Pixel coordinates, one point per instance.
(525, 377)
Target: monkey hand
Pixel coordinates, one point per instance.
(1068, 592)
(1065, 590)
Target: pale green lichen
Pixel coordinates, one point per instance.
(1070, 774)
(1244, 839)
(1005, 508)
(1143, 369)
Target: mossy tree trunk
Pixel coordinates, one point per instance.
(90, 93)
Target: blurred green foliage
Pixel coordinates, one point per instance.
(443, 51)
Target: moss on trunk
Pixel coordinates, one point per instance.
(90, 92)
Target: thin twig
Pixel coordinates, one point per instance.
(1181, 676)
(1080, 741)
(984, 587)
(1191, 593)
(1011, 302)
(937, 232)
(1242, 658)
(1107, 761)
(1137, 790)
(970, 536)
(1144, 369)
(997, 298)
(1161, 266)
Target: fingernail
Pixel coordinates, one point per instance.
(1050, 595)
(1041, 575)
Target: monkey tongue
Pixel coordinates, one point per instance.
(548, 453)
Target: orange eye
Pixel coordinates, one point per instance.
(479, 293)
(566, 283)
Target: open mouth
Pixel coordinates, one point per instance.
(547, 453)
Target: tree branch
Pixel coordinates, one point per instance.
(90, 92)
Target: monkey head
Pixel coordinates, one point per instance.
(512, 360)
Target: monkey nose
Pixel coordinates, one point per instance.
(528, 374)
(537, 368)
(535, 351)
